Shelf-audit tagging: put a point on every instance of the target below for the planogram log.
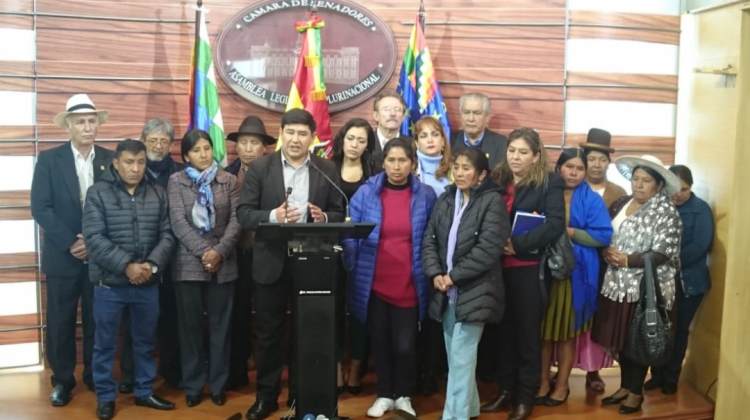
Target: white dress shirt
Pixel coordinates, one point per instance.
(84, 171)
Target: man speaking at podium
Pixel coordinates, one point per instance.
(284, 187)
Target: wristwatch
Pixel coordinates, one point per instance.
(154, 269)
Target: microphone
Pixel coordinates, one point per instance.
(330, 181)
(286, 202)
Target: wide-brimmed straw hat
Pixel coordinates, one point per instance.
(80, 104)
(627, 164)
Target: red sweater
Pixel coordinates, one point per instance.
(393, 281)
(509, 261)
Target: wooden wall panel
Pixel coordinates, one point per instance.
(16, 67)
(622, 94)
(18, 321)
(16, 21)
(582, 32)
(21, 213)
(15, 198)
(18, 275)
(630, 145)
(16, 132)
(21, 258)
(640, 20)
(622, 79)
(17, 148)
(24, 6)
(17, 84)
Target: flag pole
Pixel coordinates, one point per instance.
(196, 46)
(422, 14)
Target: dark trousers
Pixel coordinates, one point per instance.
(143, 305)
(632, 375)
(393, 334)
(431, 348)
(686, 307)
(519, 358)
(190, 304)
(166, 334)
(489, 345)
(63, 294)
(242, 346)
(271, 305)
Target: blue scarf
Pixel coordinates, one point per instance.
(428, 166)
(204, 213)
(589, 213)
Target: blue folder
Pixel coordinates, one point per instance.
(525, 221)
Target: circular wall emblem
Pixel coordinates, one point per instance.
(258, 49)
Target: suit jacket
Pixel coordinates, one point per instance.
(56, 206)
(548, 200)
(263, 191)
(493, 145)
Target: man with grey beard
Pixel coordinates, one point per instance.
(158, 135)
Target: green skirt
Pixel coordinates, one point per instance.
(559, 320)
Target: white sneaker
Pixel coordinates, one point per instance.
(404, 404)
(380, 407)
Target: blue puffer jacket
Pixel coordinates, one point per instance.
(697, 234)
(361, 255)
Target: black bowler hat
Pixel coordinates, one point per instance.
(598, 139)
(252, 125)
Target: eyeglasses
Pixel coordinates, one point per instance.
(153, 142)
(396, 109)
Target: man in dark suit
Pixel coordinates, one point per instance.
(157, 135)
(62, 177)
(389, 111)
(475, 114)
(264, 199)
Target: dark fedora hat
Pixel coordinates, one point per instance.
(252, 125)
(598, 139)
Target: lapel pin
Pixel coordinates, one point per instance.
(102, 167)
(487, 154)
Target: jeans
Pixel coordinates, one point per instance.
(461, 344)
(143, 304)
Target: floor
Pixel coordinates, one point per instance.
(25, 396)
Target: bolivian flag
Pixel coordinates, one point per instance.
(309, 87)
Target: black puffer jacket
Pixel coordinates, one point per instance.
(119, 229)
(481, 237)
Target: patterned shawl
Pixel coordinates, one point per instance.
(654, 227)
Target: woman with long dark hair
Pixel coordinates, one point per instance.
(202, 208)
(528, 186)
(354, 156)
(573, 301)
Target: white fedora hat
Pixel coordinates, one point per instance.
(627, 164)
(80, 104)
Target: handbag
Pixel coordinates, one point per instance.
(560, 258)
(650, 338)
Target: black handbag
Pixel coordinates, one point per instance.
(560, 258)
(650, 338)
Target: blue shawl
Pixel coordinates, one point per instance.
(588, 213)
